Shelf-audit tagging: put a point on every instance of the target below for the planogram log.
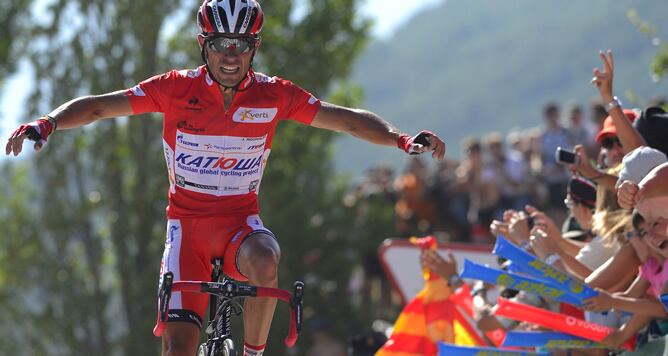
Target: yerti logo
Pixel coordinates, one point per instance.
(254, 115)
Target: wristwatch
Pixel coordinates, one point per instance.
(613, 104)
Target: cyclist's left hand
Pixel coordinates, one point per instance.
(423, 142)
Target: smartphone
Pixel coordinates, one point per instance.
(565, 156)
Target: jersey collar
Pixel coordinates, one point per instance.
(245, 83)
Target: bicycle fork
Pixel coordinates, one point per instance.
(223, 327)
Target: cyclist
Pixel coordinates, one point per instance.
(219, 121)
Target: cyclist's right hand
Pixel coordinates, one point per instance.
(37, 131)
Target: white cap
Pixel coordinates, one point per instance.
(638, 163)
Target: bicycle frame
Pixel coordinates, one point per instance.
(228, 290)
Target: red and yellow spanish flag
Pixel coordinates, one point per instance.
(432, 316)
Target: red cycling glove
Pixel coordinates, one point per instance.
(411, 144)
(37, 131)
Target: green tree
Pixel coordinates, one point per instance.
(659, 65)
(97, 227)
(11, 14)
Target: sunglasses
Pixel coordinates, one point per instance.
(231, 46)
(609, 142)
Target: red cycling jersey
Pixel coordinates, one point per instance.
(216, 156)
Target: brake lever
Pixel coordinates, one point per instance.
(297, 303)
(165, 295)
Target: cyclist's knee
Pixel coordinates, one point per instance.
(180, 339)
(258, 259)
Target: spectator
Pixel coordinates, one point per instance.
(554, 174)
(366, 344)
(324, 343)
(483, 194)
(653, 127)
(577, 128)
(598, 114)
(414, 209)
(612, 150)
(507, 171)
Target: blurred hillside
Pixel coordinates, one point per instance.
(469, 67)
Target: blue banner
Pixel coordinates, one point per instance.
(533, 265)
(531, 285)
(455, 350)
(550, 340)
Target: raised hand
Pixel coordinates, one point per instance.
(603, 79)
(37, 131)
(628, 194)
(444, 267)
(423, 142)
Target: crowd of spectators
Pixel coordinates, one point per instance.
(615, 234)
(459, 198)
(602, 218)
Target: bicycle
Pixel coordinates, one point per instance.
(222, 305)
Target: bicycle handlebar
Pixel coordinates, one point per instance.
(230, 289)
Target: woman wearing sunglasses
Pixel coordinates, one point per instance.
(219, 122)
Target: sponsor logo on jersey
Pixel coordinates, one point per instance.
(312, 100)
(183, 124)
(254, 115)
(214, 147)
(253, 185)
(251, 139)
(217, 166)
(172, 231)
(262, 78)
(136, 91)
(183, 141)
(193, 104)
(194, 73)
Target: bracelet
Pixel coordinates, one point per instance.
(53, 122)
(613, 104)
(552, 258)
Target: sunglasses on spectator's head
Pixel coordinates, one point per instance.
(231, 46)
(610, 141)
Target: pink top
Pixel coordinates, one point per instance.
(655, 273)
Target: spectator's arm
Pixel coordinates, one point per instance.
(587, 170)
(628, 136)
(626, 331)
(655, 183)
(569, 246)
(573, 266)
(616, 272)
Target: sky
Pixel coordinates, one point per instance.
(388, 15)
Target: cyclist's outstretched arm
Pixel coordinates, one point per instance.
(74, 113)
(87, 109)
(371, 127)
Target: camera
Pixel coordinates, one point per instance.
(564, 156)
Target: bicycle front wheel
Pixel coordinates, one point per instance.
(203, 350)
(228, 348)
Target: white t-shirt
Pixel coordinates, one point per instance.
(596, 252)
